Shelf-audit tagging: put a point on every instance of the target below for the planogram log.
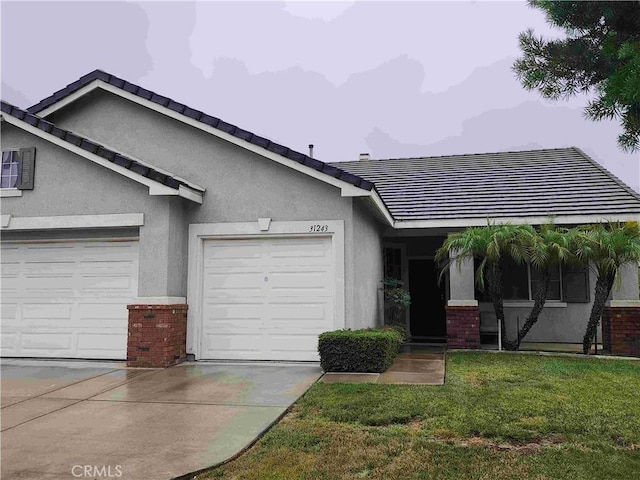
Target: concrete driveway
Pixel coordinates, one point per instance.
(87, 420)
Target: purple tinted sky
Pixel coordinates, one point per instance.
(392, 79)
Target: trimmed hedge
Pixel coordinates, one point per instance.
(358, 350)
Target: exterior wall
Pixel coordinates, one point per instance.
(157, 335)
(463, 327)
(368, 269)
(621, 331)
(241, 186)
(67, 184)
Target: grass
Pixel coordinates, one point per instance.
(499, 416)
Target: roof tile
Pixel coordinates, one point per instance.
(209, 120)
(144, 93)
(44, 125)
(175, 106)
(262, 142)
(117, 82)
(560, 181)
(276, 148)
(191, 113)
(159, 99)
(130, 87)
(89, 146)
(243, 134)
(226, 127)
(73, 139)
(122, 161)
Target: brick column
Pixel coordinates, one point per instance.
(621, 330)
(157, 335)
(463, 326)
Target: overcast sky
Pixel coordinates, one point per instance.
(388, 78)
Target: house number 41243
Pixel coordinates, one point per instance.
(318, 228)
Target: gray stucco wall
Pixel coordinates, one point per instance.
(68, 184)
(368, 268)
(241, 186)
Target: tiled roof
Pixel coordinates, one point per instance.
(561, 181)
(199, 116)
(92, 147)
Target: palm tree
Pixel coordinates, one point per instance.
(488, 244)
(607, 248)
(546, 249)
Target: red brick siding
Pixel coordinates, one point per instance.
(463, 327)
(621, 331)
(157, 335)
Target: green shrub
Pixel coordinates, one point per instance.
(358, 350)
(399, 329)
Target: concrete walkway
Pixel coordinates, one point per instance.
(415, 368)
(70, 420)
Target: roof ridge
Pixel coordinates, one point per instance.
(202, 117)
(91, 146)
(504, 152)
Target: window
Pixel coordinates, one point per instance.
(17, 170)
(393, 263)
(10, 169)
(515, 281)
(519, 282)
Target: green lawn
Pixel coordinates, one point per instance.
(499, 416)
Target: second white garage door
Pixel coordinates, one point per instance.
(67, 299)
(266, 298)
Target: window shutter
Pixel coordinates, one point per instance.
(575, 284)
(27, 168)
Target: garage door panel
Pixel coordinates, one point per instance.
(68, 299)
(230, 252)
(105, 284)
(57, 340)
(8, 310)
(101, 310)
(301, 282)
(227, 314)
(234, 282)
(8, 340)
(300, 249)
(46, 311)
(298, 311)
(268, 298)
(235, 344)
(101, 344)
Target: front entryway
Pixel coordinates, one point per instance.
(428, 298)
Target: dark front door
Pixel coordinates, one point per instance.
(427, 313)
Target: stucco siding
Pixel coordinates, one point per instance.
(68, 184)
(368, 268)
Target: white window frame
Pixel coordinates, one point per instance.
(12, 191)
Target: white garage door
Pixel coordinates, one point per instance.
(266, 299)
(67, 299)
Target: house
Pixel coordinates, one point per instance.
(135, 227)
